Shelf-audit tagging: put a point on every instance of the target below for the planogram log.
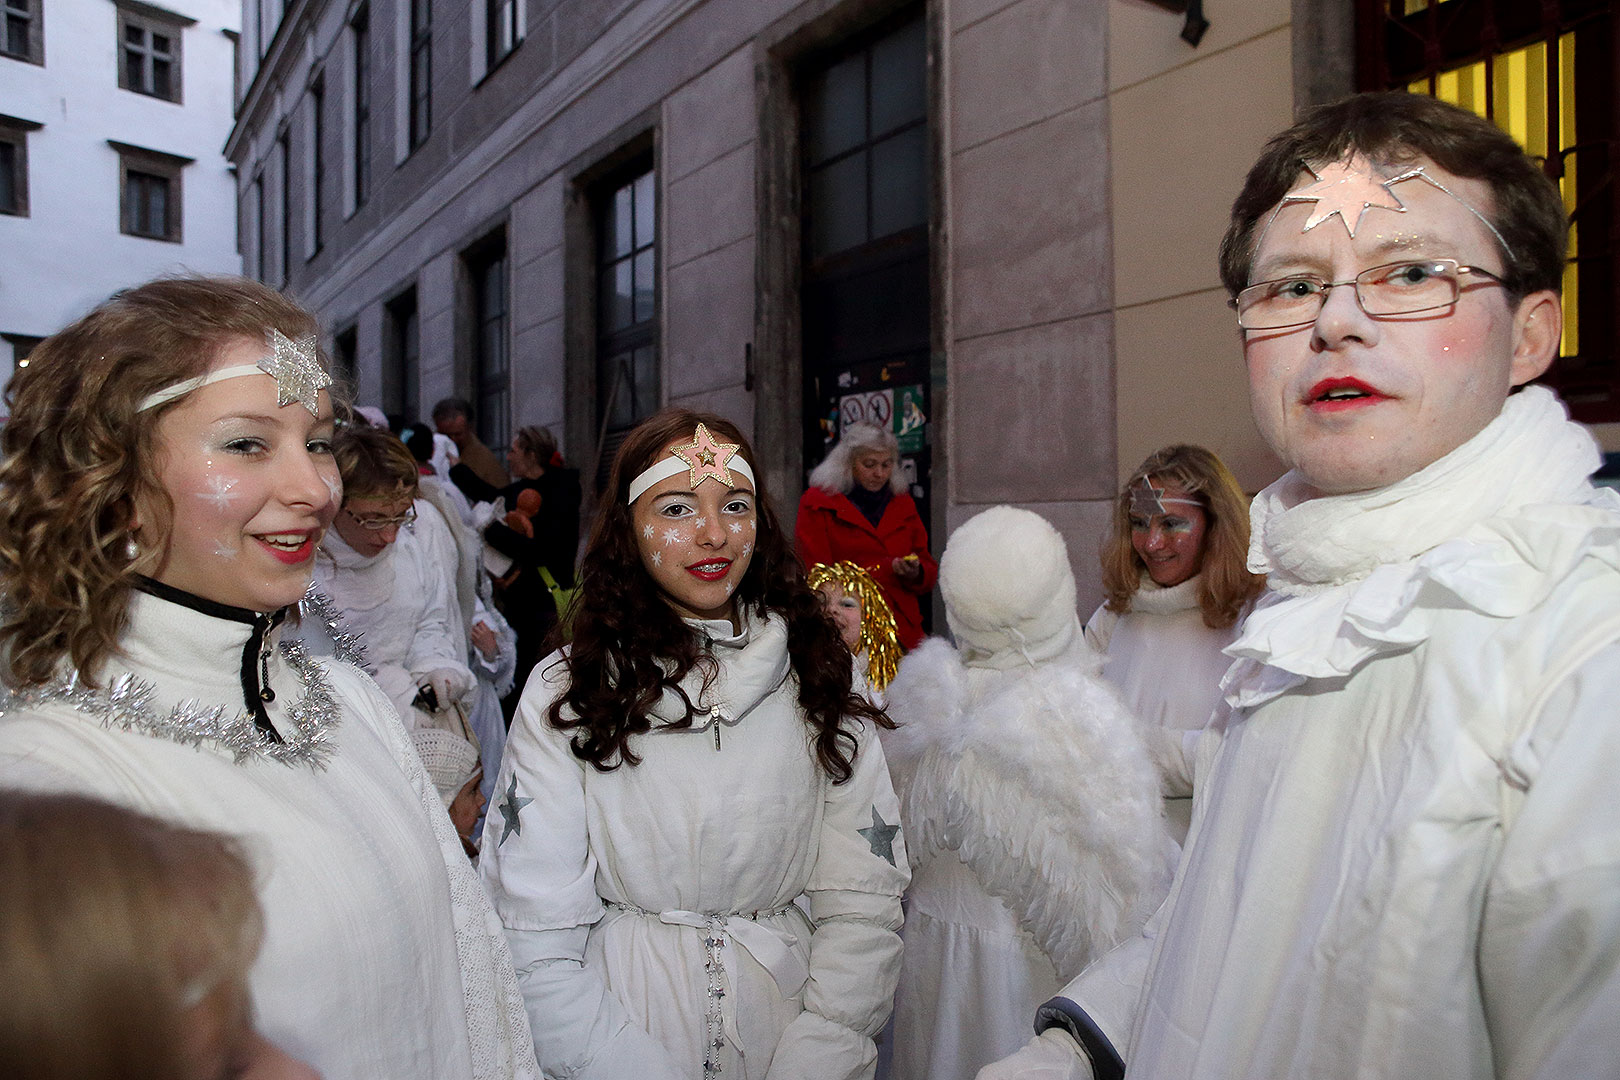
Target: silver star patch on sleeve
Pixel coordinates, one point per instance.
(512, 805)
(297, 370)
(881, 836)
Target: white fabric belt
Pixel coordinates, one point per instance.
(771, 947)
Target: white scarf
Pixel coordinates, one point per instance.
(360, 583)
(1531, 453)
(1151, 598)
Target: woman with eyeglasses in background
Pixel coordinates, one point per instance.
(388, 590)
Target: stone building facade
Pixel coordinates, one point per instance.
(991, 223)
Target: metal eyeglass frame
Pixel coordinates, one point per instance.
(1366, 277)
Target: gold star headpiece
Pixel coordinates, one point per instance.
(704, 457)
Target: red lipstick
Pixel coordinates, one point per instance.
(1337, 395)
(710, 569)
(290, 556)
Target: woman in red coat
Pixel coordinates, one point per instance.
(857, 508)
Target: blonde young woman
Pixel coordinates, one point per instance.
(1177, 582)
(168, 476)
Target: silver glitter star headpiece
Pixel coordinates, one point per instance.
(295, 365)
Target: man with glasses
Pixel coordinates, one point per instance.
(1404, 857)
(391, 591)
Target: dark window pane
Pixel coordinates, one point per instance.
(644, 285)
(158, 206)
(621, 301)
(8, 178)
(838, 206)
(160, 78)
(134, 35)
(622, 237)
(900, 182)
(837, 110)
(646, 382)
(160, 44)
(646, 210)
(16, 37)
(135, 69)
(899, 66)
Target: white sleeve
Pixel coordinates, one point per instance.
(1051, 1055)
(537, 866)
(434, 643)
(1549, 953)
(854, 890)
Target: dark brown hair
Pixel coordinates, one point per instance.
(629, 645)
(79, 453)
(1396, 127)
(1224, 582)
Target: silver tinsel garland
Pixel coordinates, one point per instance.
(126, 704)
(346, 643)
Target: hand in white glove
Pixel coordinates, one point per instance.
(1052, 1055)
(448, 685)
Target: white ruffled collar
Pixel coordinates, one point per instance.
(1493, 526)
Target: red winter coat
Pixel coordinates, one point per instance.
(831, 528)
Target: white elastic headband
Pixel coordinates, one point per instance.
(293, 364)
(703, 457)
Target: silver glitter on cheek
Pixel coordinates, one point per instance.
(701, 523)
(647, 531)
(657, 558)
(221, 491)
(672, 536)
(731, 587)
(226, 551)
(735, 526)
(334, 487)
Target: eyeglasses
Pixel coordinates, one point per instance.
(379, 524)
(1402, 288)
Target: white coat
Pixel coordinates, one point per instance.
(381, 956)
(635, 898)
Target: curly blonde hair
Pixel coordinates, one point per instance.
(879, 640)
(1225, 585)
(80, 456)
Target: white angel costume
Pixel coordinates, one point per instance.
(1405, 849)
(652, 909)
(381, 956)
(1031, 804)
(399, 601)
(1168, 666)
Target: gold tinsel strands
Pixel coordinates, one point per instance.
(879, 640)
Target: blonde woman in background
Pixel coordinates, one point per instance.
(1177, 582)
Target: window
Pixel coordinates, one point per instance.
(14, 164)
(315, 180)
(284, 210)
(360, 29)
(22, 37)
(865, 295)
(626, 212)
(401, 386)
(149, 183)
(491, 370)
(1545, 74)
(261, 260)
(346, 349)
(149, 50)
(421, 88)
(501, 21)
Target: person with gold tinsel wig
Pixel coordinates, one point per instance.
(865, 621)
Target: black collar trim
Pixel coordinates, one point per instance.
(202, 604)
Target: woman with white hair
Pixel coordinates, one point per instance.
(857, 508)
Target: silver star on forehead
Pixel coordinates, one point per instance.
(298, 374)
(1149, 501)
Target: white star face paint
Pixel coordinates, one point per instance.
(691, 544)
(334, 487)
(250, 483)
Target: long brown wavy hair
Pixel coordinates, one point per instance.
(79, 456)
(1224, 582)
(629, 645)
